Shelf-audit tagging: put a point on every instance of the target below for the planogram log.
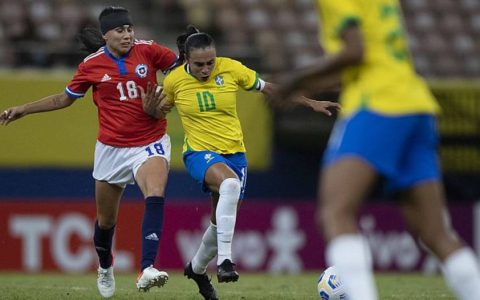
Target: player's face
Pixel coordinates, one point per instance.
(202, 62)
(119, 40)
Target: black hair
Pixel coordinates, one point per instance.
(192, 38)
(92, 38)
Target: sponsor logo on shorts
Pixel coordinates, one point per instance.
(208, 157)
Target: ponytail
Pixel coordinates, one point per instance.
(181, 40)
(91, 38)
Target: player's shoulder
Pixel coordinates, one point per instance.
(226, 63)
(153, 48)
(95, 56)
(144, 42)
(149, 45)
(175, 75)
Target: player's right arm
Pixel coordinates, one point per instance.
(49, 103)
(271, 92)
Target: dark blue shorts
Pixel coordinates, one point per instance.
(198, 162)
(403, 149)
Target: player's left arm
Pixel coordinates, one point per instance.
(351, 54)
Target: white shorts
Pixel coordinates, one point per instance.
(118, 165)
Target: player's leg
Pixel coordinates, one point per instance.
(208, 247)
(149, 166)
(197, 268)
(151, 177)
(426, 213)
(221, 179)
(427, 217)
(360, 148)
(343, 186)
(107, 197)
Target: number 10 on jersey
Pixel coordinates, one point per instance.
(206, 101)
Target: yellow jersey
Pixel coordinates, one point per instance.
(208, 110)
(386, 81)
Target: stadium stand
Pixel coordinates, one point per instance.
(444, 35)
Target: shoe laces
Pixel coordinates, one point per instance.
(104, 277)
(228, 266)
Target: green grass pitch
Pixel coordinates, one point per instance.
(250, 286)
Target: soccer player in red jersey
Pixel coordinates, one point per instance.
(131, 145)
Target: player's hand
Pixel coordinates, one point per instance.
(150, 98)
(11, 114)
(154, 102)
(325, 107)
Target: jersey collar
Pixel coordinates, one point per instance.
(120, 62)
(113, 56)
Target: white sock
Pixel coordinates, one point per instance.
(226, 216)
(350, 254)
(206, 251)
(462, 273)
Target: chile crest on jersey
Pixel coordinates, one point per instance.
(141, 70)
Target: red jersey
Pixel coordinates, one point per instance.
(116, 82)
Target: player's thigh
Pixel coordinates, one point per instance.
(216, 174)
(150, 166)
(152, 176)
(107, 197)
(343, 186)
(345, 183)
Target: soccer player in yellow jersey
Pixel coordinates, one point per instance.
(204, 91)
(386, 129)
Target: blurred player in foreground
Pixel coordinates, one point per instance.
(131, 145)
(204, 91)
(387, 129)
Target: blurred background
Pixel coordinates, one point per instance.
(46, 189)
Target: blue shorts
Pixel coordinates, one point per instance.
(198, 162)
(403, 149)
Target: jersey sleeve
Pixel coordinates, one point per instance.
(341, 14)
(246, 78)
(163, 58)
(79, 84)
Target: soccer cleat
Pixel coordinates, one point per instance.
(106, 282)
(151, 277)
(205, 287)
(226, 272)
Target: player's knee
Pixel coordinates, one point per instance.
(333, 218)
(326, 218)
(106, 223)
(440, 242)
(155, 192)
(153, 188)
(231, 187)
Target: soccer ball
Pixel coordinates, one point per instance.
(329, 286)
